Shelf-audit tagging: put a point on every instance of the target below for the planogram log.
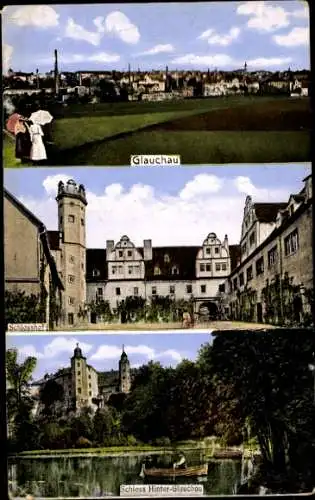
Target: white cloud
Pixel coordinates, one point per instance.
(214, 38)
(297, 36)
(245, 186)
(40, 16)
(205, 203)
(7, 51)
(158, 49)
(171, 354)
(28, 350)
(98, 57)
(145, 352)
(263, 16)
(268, 62)
(77, 32)
(224, 60)
(56, 347)
(51, 183)
(202, 184)
(303, 13)
(118, 25)
(204, 60)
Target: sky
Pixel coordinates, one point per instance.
(270, 35)
(169, 205)
(103, 351)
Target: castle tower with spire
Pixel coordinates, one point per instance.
(79, 379)
(124, 373)
(72, 204)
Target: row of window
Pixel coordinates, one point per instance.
(120, 269)
(219, 266)
(172, 290)
(80, 391)
(291, 246)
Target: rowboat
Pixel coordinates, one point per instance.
(228, 454)
(200, 470)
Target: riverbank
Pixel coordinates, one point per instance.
(209, 450)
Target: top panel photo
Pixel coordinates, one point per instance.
(191, 83)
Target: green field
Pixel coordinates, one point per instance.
(222, 130)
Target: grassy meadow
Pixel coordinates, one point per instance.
(220, 130)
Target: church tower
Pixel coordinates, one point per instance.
(124, 373)
(79, 379)
(71, 221)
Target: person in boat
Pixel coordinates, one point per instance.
(181, 462)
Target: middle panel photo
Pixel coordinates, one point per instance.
(137, 248)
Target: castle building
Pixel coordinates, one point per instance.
(83, 386)
(273, 282)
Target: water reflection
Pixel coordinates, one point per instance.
(102, 476)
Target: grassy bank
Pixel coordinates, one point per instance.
(202, 147)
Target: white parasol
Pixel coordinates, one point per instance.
(41, 117)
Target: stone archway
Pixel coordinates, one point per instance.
(208, 311)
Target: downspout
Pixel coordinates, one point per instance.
(281, 272)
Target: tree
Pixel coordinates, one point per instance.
(269, 376)
(22, 308)
(18, 379)
(50, 394)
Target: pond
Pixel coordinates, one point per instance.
(102, 476)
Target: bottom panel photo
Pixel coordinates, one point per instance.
(101, 415)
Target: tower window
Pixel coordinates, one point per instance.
(90, 393)
(216, 250)
(129, 253)
(117, 291)
(172, 289)
(71, 259)
(113, 269)
(203, 288)
(189, 288)
(223, 267)
(79, 373)
(82, 222)
(218, 267)
(202, 267)
(100, 291)
(136, 291)
(129, 269)
(120, 253)
(71, 301)
(79, 390)
(208, 267)
(71, 218)
(70, 318)
(90, 385)
(71, 278)
(154, 290)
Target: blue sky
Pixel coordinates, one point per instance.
(171, 205)
(268, 35)
(103, 351)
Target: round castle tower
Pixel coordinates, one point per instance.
(72, 203)
(124, 373)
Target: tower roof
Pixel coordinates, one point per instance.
(123, 354)
(71, 189)
(77, 353)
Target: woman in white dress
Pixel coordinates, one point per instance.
(38, 150)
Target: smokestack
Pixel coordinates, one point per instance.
(56, 73)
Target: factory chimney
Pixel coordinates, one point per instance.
(56, 73)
